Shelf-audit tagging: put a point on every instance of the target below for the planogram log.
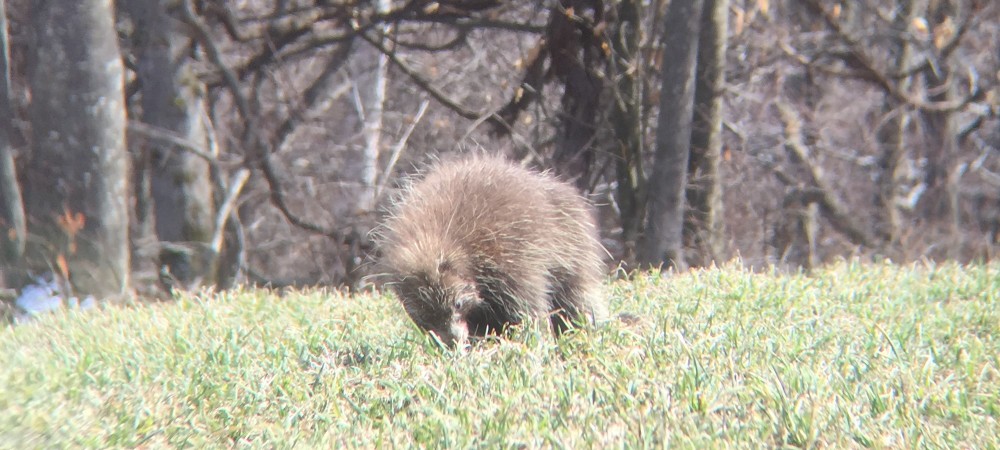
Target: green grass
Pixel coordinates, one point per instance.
(851, 356)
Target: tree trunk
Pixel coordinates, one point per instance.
(576, 51)
(180, 181)
(941, 147)
(892, 131)
(939, 202)
(374, 101)
(662, 243)
(794, 236)
(626, 119)
(76, 189)
(12, 227)
(703, 225)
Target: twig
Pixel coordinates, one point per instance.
(461, 36)
(532, 82)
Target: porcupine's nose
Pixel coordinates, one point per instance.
(459, 331)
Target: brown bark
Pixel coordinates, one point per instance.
(76, 184)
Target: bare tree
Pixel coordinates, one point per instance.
(891, 132)
(76, 186)
(179, 179)
(833, 172)
(372, 102)
(11, 208)
(921, 81)
(940, 201)
(577, 52)
(703, 225)
(626, 70)
(662, 243)
(575, 47)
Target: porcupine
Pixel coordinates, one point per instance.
(480, 243)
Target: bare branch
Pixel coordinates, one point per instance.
(434, 92)
(172, 138)
(833, 208)
(257, 147)
(235, 186)
(469, 23)
(276, 43)
(313, 93)
(946, 49)
(459, 39)
(398, 149)
(535, 76)
(455, 15)
(869, 71)
(204, 38)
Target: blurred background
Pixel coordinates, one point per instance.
(151, 145)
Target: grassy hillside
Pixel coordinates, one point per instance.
(852, 356)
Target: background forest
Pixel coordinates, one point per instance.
(158, 144)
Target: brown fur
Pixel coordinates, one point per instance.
(480, 243)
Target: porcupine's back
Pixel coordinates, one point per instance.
(518, 235)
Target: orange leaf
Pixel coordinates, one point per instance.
(71, 223)
(62, 266)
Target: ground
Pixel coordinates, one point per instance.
(852, 355)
